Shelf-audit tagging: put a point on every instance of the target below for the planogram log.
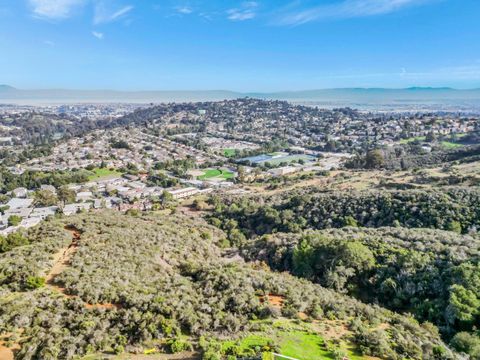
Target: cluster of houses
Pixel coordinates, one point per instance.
(388, 130)
(123, 193)
(258, 121)
(143, 150)
(22, 209)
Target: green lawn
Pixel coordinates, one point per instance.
(450, 145)
(253, 341)
(303, 346)
(412, 139)
(299, 344)
(229, 152)
(216, 173)
(446, 144)
(100, 173)
(299, 341)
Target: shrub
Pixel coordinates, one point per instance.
(467, 343)
(177, 346)
(35, 282)
(14, 220)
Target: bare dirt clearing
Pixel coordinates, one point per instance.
(275, 301)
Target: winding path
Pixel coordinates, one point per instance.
(62, 259)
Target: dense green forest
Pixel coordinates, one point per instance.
(454, 209)
(432, 274)
(166, 281)
(413, 156)
(401, 249)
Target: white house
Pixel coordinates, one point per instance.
(84, 196)
(71, 209)
(17, 203)
(30, 222)
(43, 213)
(20, 192)
(22, 212)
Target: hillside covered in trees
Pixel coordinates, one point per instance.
(432, 274)
(413, 156)
(413, 251)
(108, 283)
(454, 209)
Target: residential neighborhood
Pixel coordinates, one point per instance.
(191, 149)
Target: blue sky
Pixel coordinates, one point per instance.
(262, 45)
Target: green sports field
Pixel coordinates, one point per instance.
(215, 174)
(102, 173)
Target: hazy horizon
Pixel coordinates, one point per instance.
(416, 98)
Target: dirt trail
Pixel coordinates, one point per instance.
(106, 306)
(62, 259)
(6, 353)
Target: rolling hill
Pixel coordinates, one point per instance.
(106, 284)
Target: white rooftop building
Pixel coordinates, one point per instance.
(283, 170)
(30, 222)
(183, 193)
(17, 203)
(22, 212)
(71, 209)
(20, 192)
(84, 196)
(44, 212)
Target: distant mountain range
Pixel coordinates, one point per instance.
(340, 97)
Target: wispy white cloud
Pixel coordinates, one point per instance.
(185, 10)
(98, 35)
(104, 10)
(54, 9)
(206, 16)
(247, 11)
(105, 14)
(344, 9)
(49, 43)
